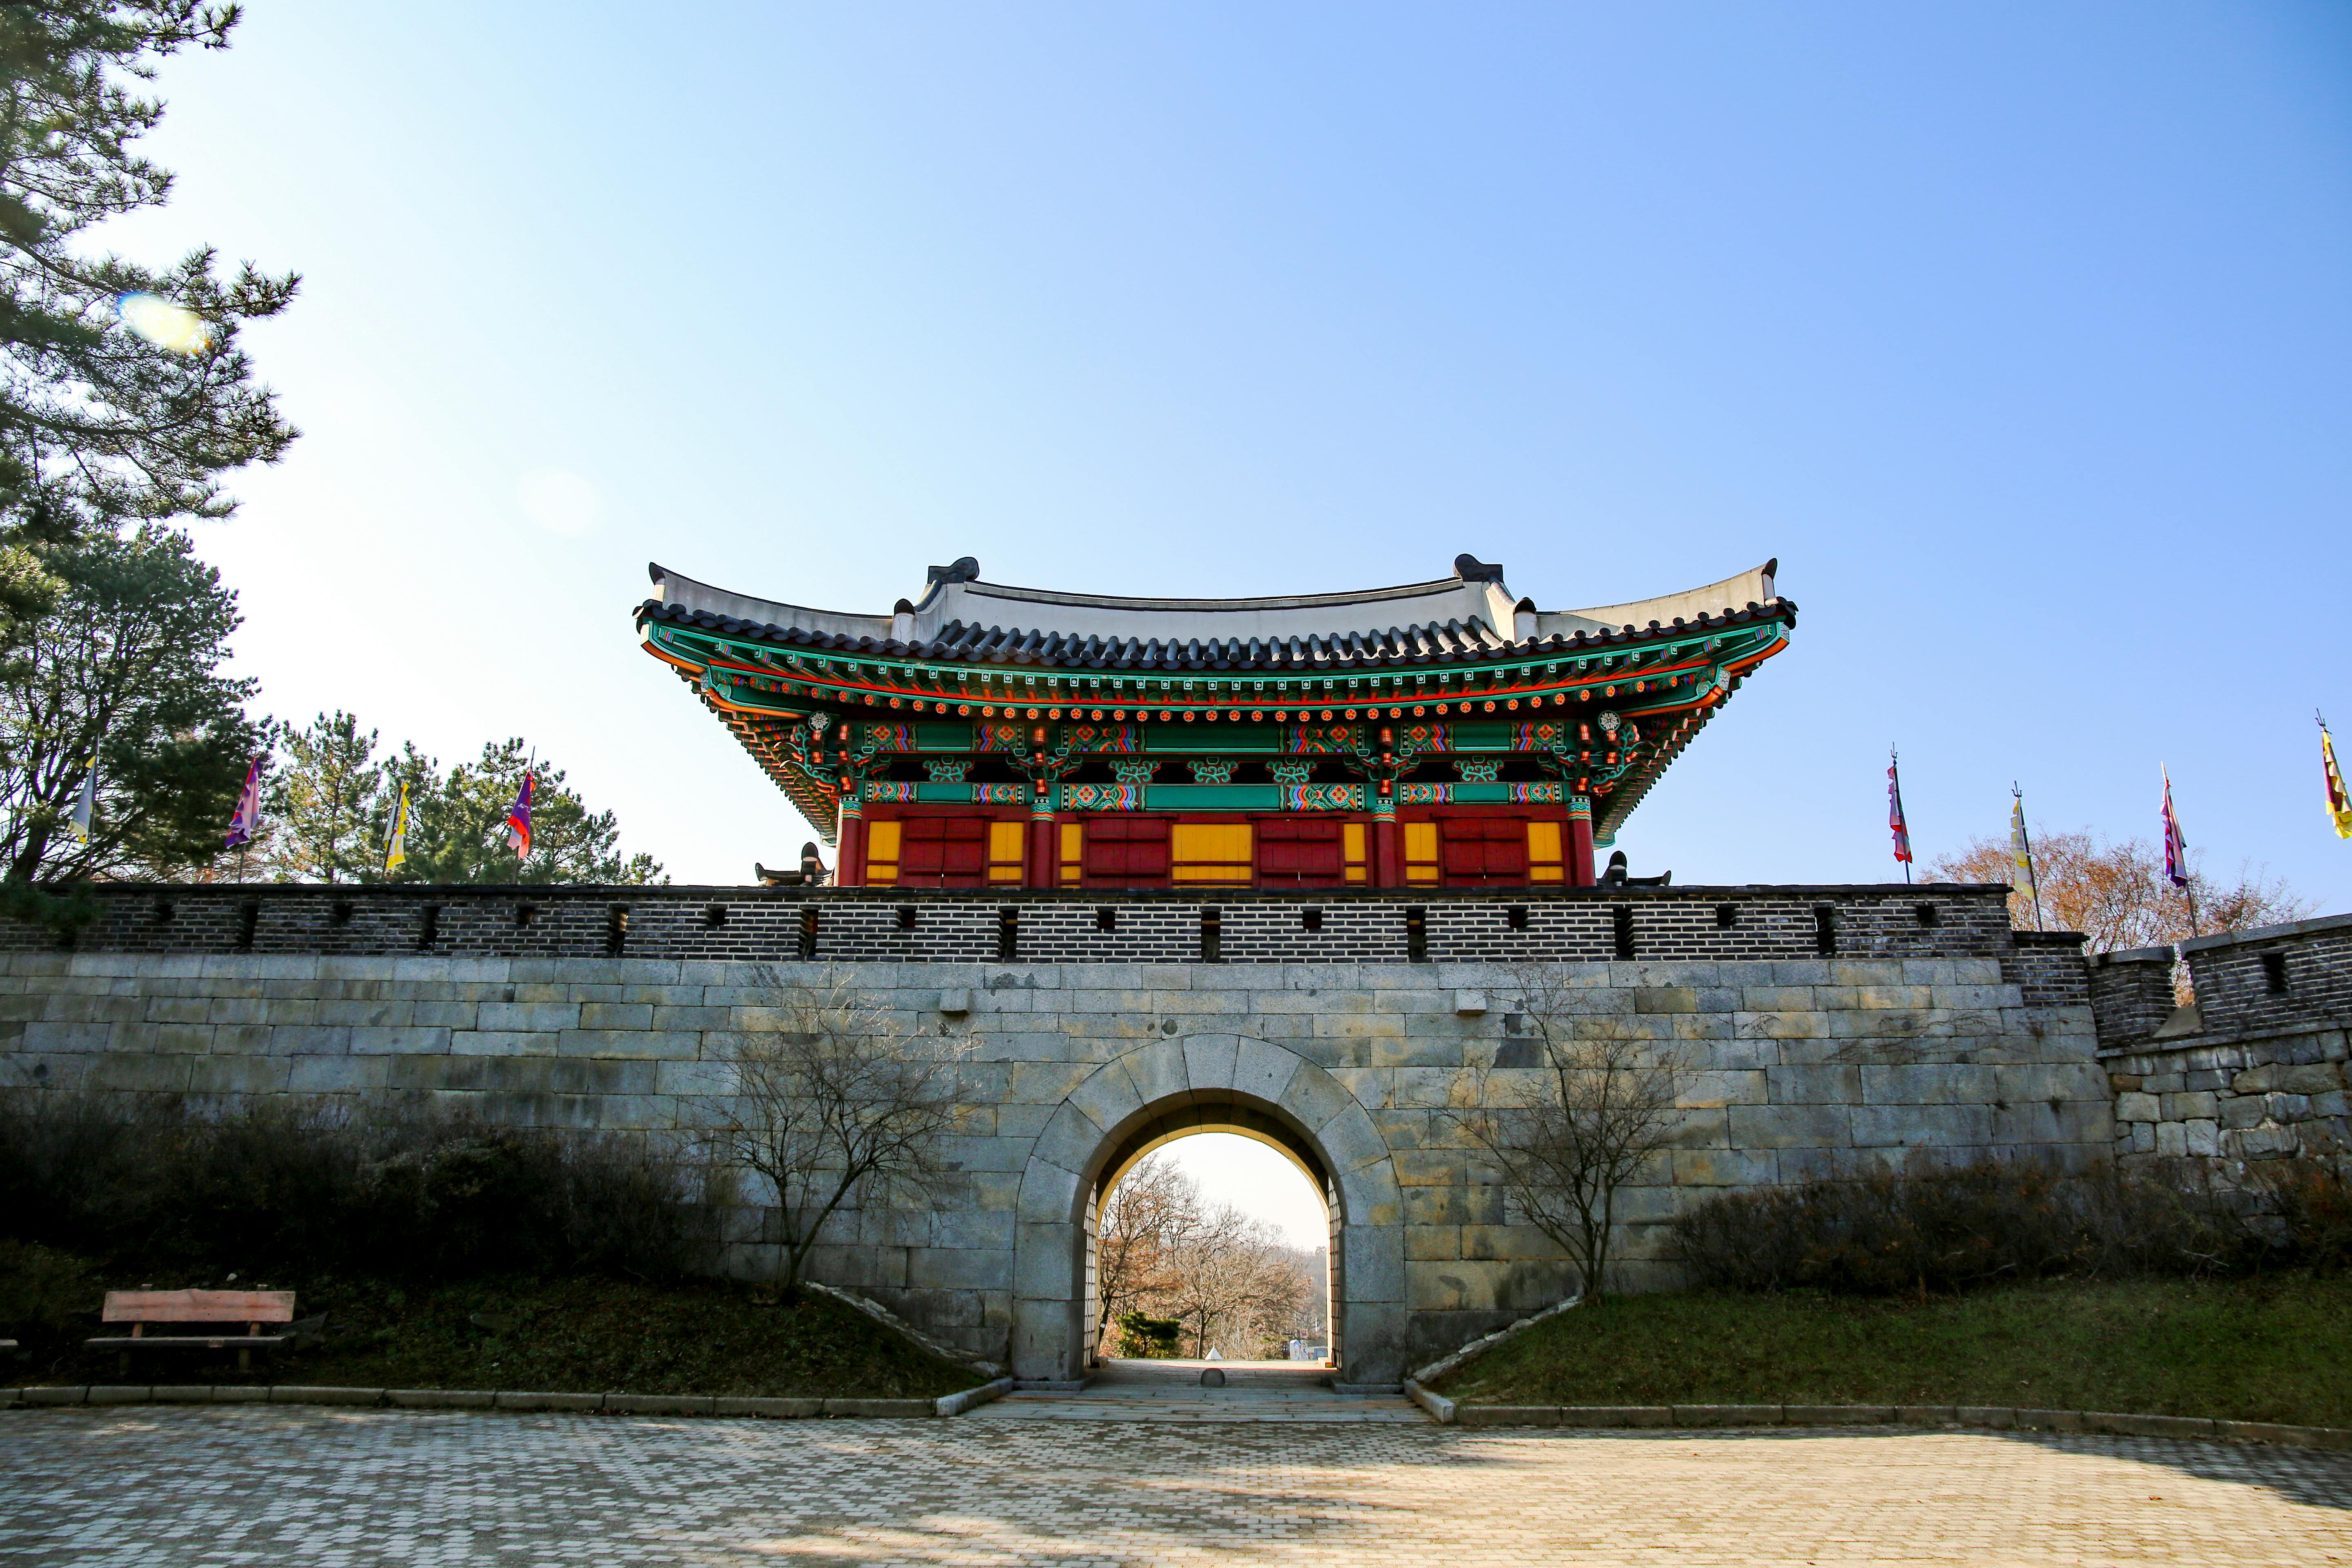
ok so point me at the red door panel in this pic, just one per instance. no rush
(1127, 852)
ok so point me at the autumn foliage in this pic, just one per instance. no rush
(2116, 894)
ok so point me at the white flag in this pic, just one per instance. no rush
(87, 807)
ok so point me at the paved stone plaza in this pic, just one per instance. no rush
(257, 1485)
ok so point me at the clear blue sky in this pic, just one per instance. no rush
(2020, 334)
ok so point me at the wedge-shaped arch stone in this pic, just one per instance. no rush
(1161, 1089)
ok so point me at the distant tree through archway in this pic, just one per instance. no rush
(1198, 1250)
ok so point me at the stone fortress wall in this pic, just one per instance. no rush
(1828, 1028)
(2256, 1068)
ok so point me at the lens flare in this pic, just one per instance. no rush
(164, 324)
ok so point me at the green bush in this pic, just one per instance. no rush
(384, 1191)
(1152, 1338)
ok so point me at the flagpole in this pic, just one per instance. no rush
(2026, 838)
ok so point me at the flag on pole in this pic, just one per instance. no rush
(395, 853)
(247, 822)
(2340, 805)
(2020, 854)
(1894, 822)
(2176, 849)
(519, 820)
(86, 807)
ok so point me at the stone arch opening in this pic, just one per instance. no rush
(1118, 1110)
(1203, 1112)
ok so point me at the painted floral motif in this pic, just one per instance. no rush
(1102, 797)
(947, 771)
(1424, 793)
(1133, 773)
(890, 738)
(987, 737)
(1096, 739)
(1310, 739)
(1323, 797)
(888, 789)
(1474, 771)
(1291, 772)
(1212, 770)
(1001, 794)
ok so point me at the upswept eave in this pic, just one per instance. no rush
(1458, 638)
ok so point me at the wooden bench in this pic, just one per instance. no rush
(250, 1308)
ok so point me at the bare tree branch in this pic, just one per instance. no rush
(1597, 1104)
(836, 1100)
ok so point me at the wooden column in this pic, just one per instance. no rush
(1580, 841)
(849, 862)
(1385, 871)
(1043, 867)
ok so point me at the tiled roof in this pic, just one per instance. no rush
(1433, 643)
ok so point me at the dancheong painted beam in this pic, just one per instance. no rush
(1438, 735)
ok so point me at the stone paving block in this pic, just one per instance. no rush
(441, 1398)
(1604, 1416)
(660, 1404)
(117, 1394)
(1726, 1415)
(774, 1409)
(2051, 1420)
(1507, 1415)
(300, 1394)
(1836, 1414)
(884, 1408)
(73, 1394)
(181, 1394)
(240, 1393)
(508, 1399)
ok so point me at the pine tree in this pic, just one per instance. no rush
(129, 669)
(100, 426)
(457, 823)
(327, 803)
(124, 398)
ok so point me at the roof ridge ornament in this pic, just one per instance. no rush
(962, 569)
(1470, 569)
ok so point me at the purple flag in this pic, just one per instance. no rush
(247, 822)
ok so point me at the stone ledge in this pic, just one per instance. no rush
(1988, 1417)
(505, 1400)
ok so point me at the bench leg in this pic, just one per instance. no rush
(122, 1365)
(244, 1361)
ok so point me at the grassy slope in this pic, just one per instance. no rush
(561, 1335)
(2277, 1349)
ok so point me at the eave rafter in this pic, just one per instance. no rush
(766, 683)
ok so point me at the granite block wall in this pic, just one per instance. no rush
(1801, 1063)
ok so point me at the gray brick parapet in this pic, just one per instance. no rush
(871, 924)
(2255, 1068)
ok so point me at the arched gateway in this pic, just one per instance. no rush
(1207, 1083)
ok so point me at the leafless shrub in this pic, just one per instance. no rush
(836, 1100)
(2309, 1199)
(1945, 1229)
(1595, 1106)
(372, 1190)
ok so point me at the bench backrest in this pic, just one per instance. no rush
(198, 1307)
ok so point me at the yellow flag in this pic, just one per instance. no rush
(2020, 851)
(2339, 805)
(396, 851)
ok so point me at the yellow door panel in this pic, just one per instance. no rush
(1005, 842)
